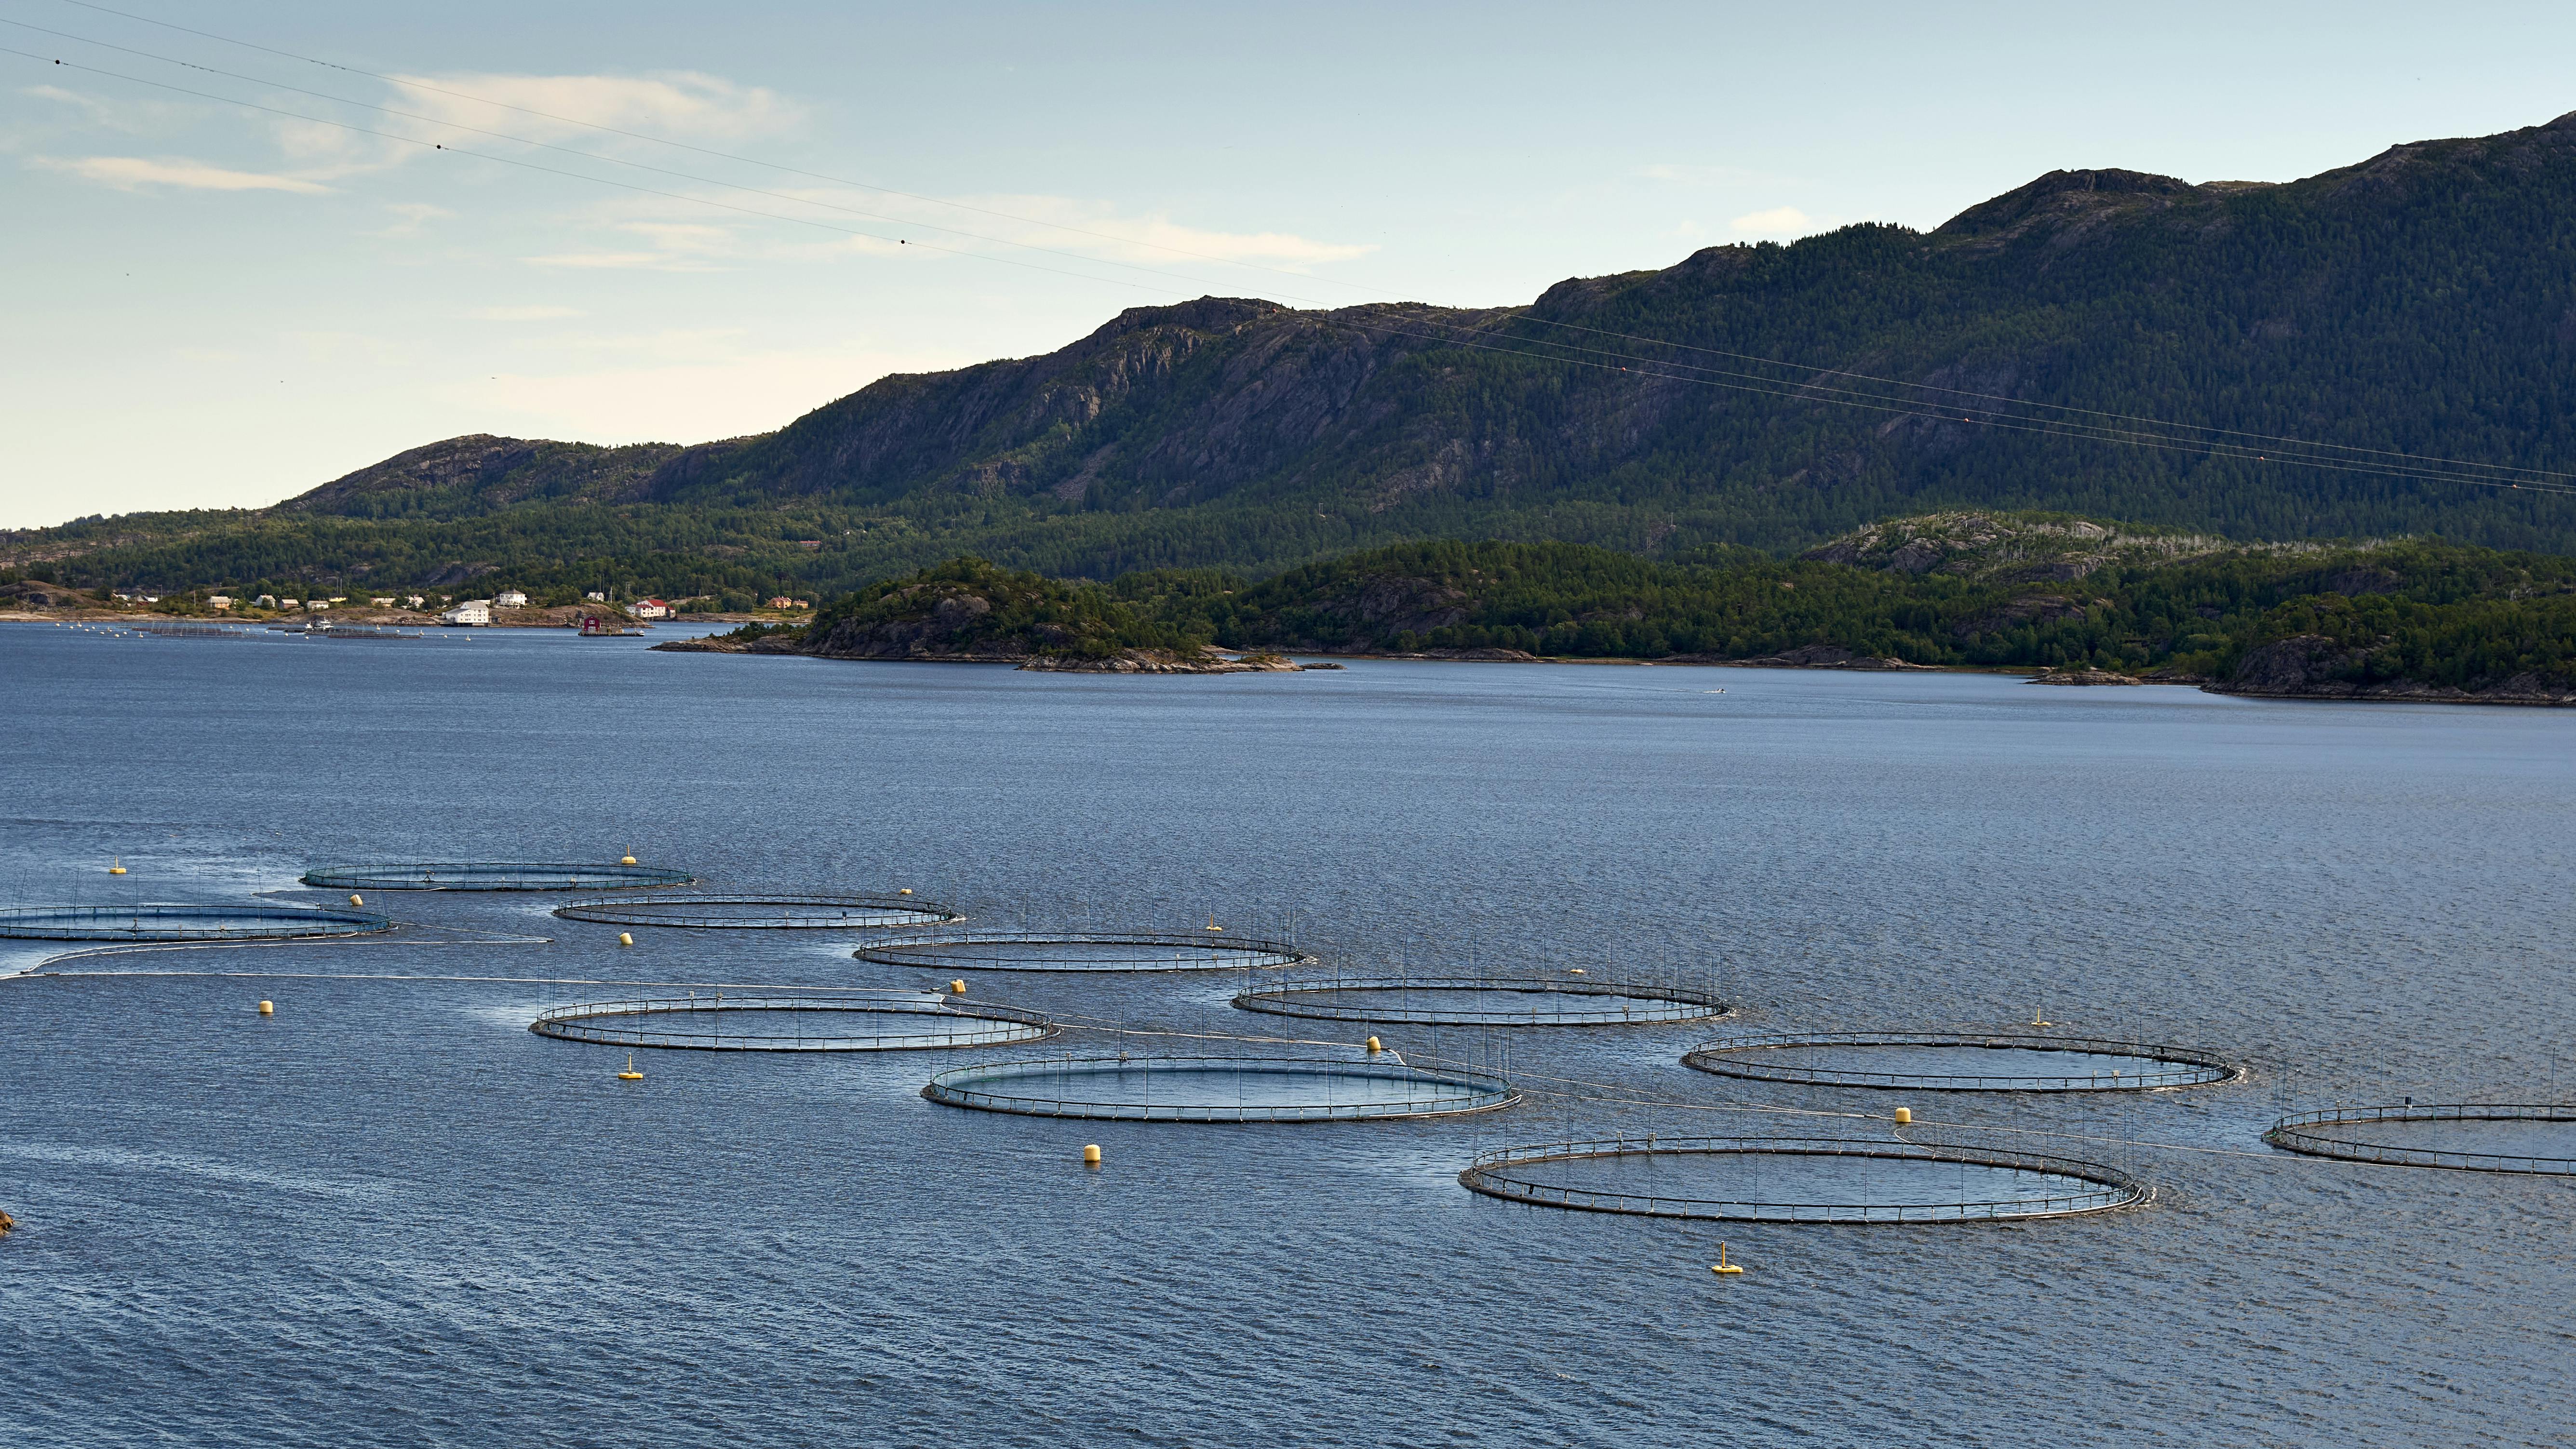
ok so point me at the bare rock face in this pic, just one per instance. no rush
(39, 596)
(1483, 656)
(1164, 661)
(721, 644)
(2079, 676)
(2012, 548)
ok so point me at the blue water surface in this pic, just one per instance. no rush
(391, 1215)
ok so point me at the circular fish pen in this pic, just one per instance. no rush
(1485, 1001)
(492, 876)
(1799, 1180)
(761, 912)
(839, 1021)
(1938, 1061)
(1218, 1089)
(1083, 951)
(184, 923)
(2411, 1135)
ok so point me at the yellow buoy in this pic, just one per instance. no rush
(625, 938)
(268, 1008)
(630, 1074)
(2035, 1021)
(1721, 1266)
(1573, 970)
(1373, 1046)
(1904, 1116)
(907, 890)
(116, 865)
(357, 900)
(1091, 1155)
(628, 860)
(957, 987)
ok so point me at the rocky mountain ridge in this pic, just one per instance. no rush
(2412, 307)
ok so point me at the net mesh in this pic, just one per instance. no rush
(845, 1021)
(762, 912)
(1218, 1089)
(491, 876)
(182, 923)
(1485, 1001)
(1078, 951)
(1959, 1061)
(1799, 1180)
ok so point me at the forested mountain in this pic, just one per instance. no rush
(2102, 342)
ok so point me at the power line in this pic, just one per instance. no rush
(415, 83)
(2056, 407)
(2043, 426)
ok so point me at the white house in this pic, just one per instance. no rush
(287, 603)
(316, 605)
(472, 611)
(413, 601)
(382, 603)
(596, 597)
(510, 599)
(219, 601)
(650, 609)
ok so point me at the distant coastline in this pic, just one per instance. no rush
(2061, 601)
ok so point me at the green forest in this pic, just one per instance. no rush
(2439, 614)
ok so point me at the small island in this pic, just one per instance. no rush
(968, 611)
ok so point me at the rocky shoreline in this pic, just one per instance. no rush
(1209, 660)
(2307, 667)
(2081, 676)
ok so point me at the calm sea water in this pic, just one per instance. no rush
(391, 1215)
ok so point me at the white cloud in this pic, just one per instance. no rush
(694, 238)
(1687, 175)
(331, 151)
(1152, 238)
(679, 103)
(1778, 221)
(129, 172)
(622, 262)
(96, 110)
(410, 217)
(359, 349)
(682, 402)
(522, 314)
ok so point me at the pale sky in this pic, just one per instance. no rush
(209, 305)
